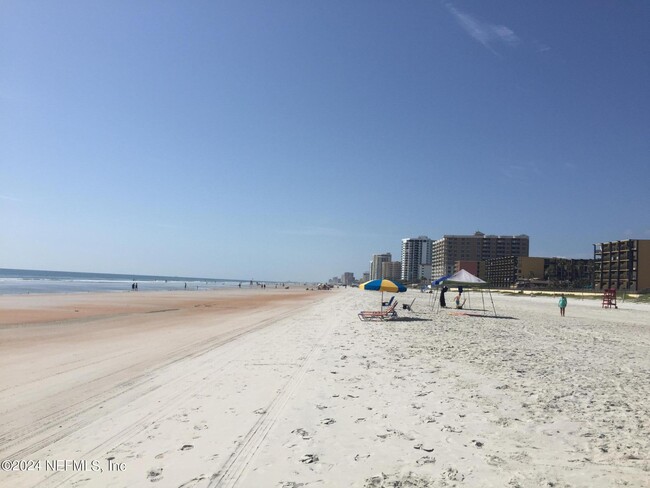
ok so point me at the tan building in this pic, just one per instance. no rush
(477, 247)
(507, 271)
(376, 271)
(391, 270)
(622, 265)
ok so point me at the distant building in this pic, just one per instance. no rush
(375, 265)
(335, 281)
(477, 247)
(474, 267)
(391, 270)
(416, 259)
(527, 271)
(505, 272)
(573, 273)
(622, 265)
(347, 278)
(365, 277)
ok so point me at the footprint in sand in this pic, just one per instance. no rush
(494, 460)
(309, 459)
(425, 460)
(302, 433)
(187, 447)
(452, 474)
(423, 447)
(327, 421)
(155, 474)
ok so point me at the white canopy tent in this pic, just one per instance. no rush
(464, 279)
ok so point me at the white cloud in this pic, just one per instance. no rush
(485, 33)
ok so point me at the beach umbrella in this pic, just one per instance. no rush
(382, 286)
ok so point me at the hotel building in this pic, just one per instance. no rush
(375, 265)
(391, 270)
(477, 247)
(622, 265)
(416, 259)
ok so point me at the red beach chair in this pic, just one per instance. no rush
(388, 314)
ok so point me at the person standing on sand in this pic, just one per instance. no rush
(562, 304)
(443, 302)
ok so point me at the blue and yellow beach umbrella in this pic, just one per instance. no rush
(383, 285)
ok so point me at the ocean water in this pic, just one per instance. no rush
(24, 281)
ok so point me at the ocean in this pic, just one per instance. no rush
(24, 281)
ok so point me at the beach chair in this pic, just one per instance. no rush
(389, 302)
(388, 314)
(407, 306)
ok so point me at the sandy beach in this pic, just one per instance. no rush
(288, 388)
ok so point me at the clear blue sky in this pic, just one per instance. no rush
(291, 140)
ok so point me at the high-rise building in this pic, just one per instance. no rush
(391, 270)
(622, 265)
(347, 278)
(375, 265)
(477, 247)
(416, 259)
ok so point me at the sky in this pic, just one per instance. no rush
(292, 140)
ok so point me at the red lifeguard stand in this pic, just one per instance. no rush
(609, 298)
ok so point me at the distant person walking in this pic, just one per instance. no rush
(562, 304)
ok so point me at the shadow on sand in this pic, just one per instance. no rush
(409, 319)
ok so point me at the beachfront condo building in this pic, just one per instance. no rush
(416, 259)
(375, 265)
(571, 273)
(622, 265)
(347, 278)
(478, 247)
(506, 272)
(391, 270)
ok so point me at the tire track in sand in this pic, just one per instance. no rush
(72, 417)
(239, 460)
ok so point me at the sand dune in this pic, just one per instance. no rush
(287, 388)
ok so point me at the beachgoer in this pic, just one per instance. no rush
(562, 305)
(443, 303)
(457, 300)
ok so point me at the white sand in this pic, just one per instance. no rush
(301, 393)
